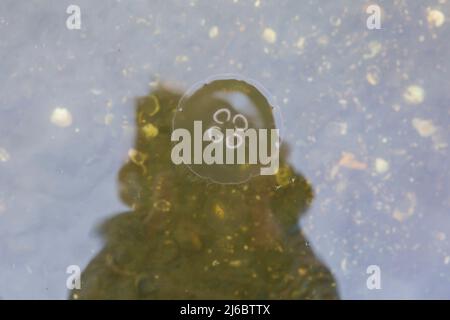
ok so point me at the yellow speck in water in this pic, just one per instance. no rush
(196, 242)
(235, 263)
(414, 94)
(109, 117)
(398, 215)
(283, 176)
(402, 214)
(323, 40)
(219, 211)
(435, 18)
(447, 260)
(150, 131)
(424, 127)
(149, 106)
(374, 48)
(243, 167)
(372, 79)
(162, 205)
(269, 35)
(300, 44)
(441, 236)
(348, 160)
(4, 155)
(213, 32)
(302, 272)
(335, 21)
(137, 157)
(215, 263)
(381, 165)
(373, 75)
(61, 117)
(181, 59)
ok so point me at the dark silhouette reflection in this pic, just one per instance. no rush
(188, 238)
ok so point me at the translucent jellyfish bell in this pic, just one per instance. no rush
(227, 111)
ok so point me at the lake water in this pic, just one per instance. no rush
(365, 125)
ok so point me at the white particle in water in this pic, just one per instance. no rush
(414, 94)
(424, 127)
(435, 18)
(4, 155)
(213, 32)
(381, 165)
(269, 35)
(61, 117)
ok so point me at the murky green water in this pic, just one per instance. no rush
(86, 177)
(188, 237)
